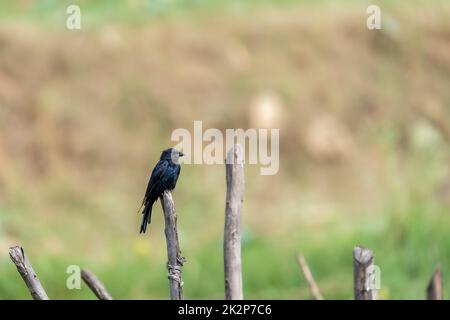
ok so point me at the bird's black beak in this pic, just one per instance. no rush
(181, 154)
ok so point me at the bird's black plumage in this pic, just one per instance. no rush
(164, 177)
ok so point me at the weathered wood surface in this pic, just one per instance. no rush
(175, 260)
(363, 261)
(232, 230)
(313, 288)
(95, 285)
(435, 290)
(27, 273)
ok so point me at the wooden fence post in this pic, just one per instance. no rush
(25, 269)
(435, 289)
(363, 262)
(95, 285)
(232, 231)
(175, 260)
(309, 278)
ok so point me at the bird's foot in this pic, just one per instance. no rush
(181, 260)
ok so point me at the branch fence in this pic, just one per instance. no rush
(365, 273)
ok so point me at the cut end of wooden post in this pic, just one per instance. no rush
(174, 257)
(232, 229)
(362, 255)
(17, 255)
(363, 274)
(27, 273)
(235, 155)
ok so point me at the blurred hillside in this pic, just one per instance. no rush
(364, 130)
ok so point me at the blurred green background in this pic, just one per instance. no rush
(364, 120)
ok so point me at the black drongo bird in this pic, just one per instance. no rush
(164, 177)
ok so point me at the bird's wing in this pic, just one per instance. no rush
(179, 170)
(178, 173)
(157, 173)
(169, 180)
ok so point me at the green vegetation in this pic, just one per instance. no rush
(364, 142)
(143, 11)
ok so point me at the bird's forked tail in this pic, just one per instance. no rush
(147, 212)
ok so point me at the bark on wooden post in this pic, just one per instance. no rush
(232, 230)
(175, 260)
(363, 262)
(435, 289)
(95, 285)
(25, 269)
(309, 278)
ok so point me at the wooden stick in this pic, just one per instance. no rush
(362, 263)
(25, 269)
(435, 289)
(95, 285)
(232, 230)
(309, 278)
(175, 260)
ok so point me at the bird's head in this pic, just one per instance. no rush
(171, 154)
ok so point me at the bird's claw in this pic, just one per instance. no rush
(181, 260)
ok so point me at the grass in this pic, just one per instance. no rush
(99, 12)
(407, 248)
